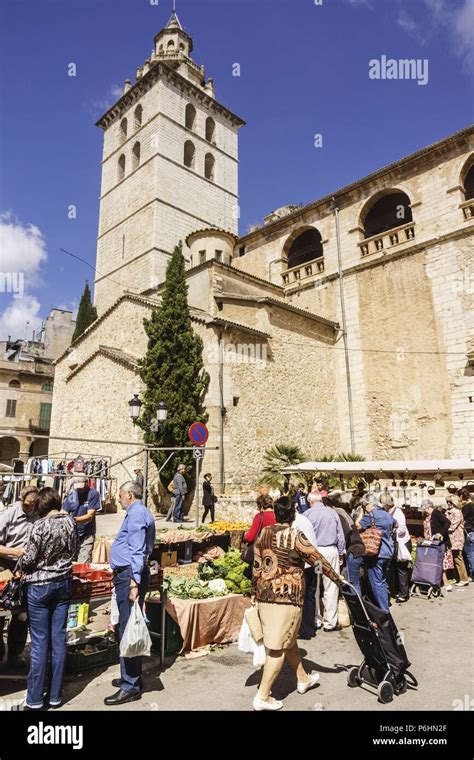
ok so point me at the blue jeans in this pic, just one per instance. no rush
(130, 667)
(353, 569)
(47, 613)
(378, 569)
(178, 507)
(469, 551)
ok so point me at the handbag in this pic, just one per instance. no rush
(249, 551)
(372, 539)
(13, 596)
(253, 622)
(171, 486)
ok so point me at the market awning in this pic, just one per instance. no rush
(389, 467)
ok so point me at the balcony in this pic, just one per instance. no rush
(468, 208)
(303, 271)
(388, 240)
(40, 428)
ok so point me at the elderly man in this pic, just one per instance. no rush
(15, 527)
(331, 544)
(128, 560)
(83, 503)
(180, 489)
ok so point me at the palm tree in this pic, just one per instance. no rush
(276, 459)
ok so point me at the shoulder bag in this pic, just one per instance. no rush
(372, 539)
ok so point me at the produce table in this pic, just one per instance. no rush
(208, 621)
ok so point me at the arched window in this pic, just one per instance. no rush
(190, 116)
(121, 168)
(138, 116)
(307, 246)
(170, 45)
(14, 384)
(209, 165)
(47, 387)
(189, 154)
(136, 155)
(389, 211)
(123, 130)
(210, 129)
(469, 184)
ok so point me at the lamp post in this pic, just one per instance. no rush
(135, 405)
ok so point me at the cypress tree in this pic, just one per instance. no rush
(86, 315)
(173, 371)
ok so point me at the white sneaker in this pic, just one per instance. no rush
(307, 685)
(462, 583)
(448, 588)
(273, 704)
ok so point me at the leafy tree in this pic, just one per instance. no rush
(173, 371)
(86, 315)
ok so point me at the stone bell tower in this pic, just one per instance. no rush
(169, 167)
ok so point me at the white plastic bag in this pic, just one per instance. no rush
(136, 641)
(249, 646)
(259, 654)
(246, 642)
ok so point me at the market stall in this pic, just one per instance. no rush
(406, 481)
(206, 599)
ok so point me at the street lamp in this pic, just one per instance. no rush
(135, 405)
(161, 412)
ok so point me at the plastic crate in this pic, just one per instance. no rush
(84, 589)
(77, 662)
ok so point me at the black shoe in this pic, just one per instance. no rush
(121, 697)
(55, 707)
(32, 709)
(117, 684)
(401, 599)
(330, 630)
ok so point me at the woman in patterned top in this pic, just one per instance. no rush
(47, 565)
(278, 587)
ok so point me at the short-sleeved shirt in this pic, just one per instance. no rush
(16, 525)
(87, 500)
(384, 522)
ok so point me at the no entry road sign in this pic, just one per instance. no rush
(198, 433)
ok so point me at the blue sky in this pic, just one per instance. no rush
(304, 71)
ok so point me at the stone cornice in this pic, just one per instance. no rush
(439, 148)
(222, 322)
(142, 85)
(125, 297)
(114, 354)
(226, 297)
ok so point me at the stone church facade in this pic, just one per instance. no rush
(268, 305)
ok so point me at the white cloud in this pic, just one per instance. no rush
(103, 103)
(22, 253)
(13, 320)
(407, 23)
(463, 27)
(22, 248)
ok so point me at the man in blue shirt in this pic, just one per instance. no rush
(128, 559)
(377, 567)
(83, 503)
(301, 499)
(331, 544)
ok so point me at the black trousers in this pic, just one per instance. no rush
(17, 635)
(308, 625)
(404, 576)
(208, 509)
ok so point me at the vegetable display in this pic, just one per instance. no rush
(230, 568)
(190, 588)
(224, 526)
